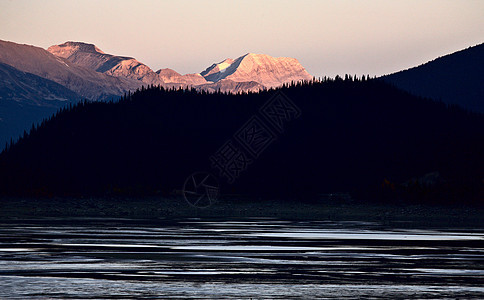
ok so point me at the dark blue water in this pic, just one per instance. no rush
(251, 258)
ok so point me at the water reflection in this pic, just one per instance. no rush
(261, 258)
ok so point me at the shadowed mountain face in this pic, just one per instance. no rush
(26, 99)
(25, 88)
(216, 68)
(457, 78)
(85, 82)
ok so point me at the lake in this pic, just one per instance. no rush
(237, 258)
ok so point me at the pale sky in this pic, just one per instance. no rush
(327, 37)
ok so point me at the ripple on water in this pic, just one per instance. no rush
(228, 259)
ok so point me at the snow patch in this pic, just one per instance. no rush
(223, 65)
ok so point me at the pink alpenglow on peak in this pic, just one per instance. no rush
(69, 48)
(267, 70)
(250, 72)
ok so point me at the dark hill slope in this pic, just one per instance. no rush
(457, 78)
(351, 136)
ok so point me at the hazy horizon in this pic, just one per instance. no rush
(328, 38)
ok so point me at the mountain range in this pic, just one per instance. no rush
(264, 70)
(85, 82)
(355, 132)
(35, 82)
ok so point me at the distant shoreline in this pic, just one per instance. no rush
(233, 208)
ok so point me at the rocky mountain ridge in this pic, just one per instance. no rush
(83, 81)
(232, 75)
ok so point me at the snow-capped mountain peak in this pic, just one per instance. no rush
(262, 68)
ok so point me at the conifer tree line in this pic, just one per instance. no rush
(355, 134)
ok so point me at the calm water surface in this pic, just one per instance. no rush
(250, 258)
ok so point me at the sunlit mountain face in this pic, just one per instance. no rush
(229, 75)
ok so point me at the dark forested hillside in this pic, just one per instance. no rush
(360, 136)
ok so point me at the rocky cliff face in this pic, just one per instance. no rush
(91, 57)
